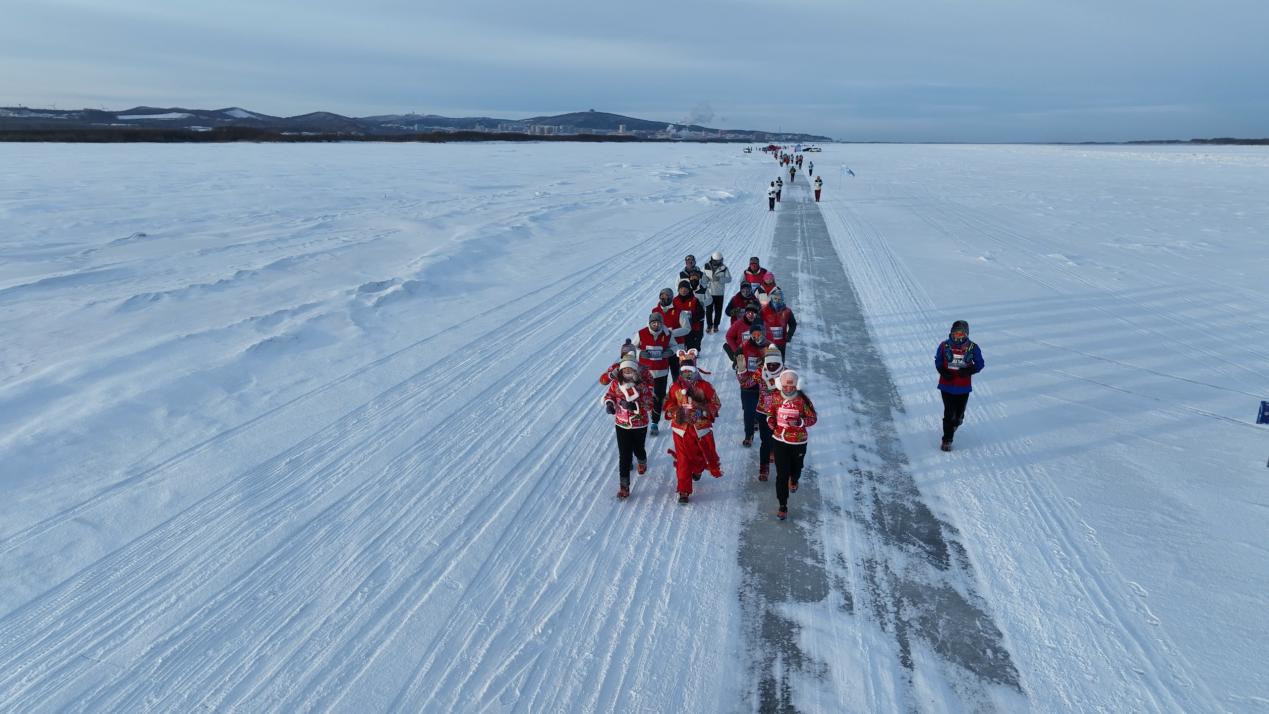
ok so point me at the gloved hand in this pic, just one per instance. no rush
(947, 373)
(966, 371)
(628, 405)
(610, 407)
(763, 299)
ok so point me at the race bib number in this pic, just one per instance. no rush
(777, 333)
(957, 361)
(752, 363)
(787, 415)
(655, 352)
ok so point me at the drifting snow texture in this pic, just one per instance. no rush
(290, 427)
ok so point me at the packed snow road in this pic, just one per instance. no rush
(316, 428)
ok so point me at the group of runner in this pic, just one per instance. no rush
(775, 190)
(658, 374)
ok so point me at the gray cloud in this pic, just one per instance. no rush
(989, 70)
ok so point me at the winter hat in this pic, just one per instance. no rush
(960, 325)
(754, 259)
(753, 307)
(656, 317)
(757, 326)
(797, 377)
(627, 347)
(687, 362)
(773, 355)
(666, 293)
(688, 257)
(628, 362)
(717, 257)
(685, 284)
(746, 285)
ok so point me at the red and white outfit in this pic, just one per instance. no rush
(639, 393)
(756, 279)
(777, 324)
(692, 406)
(654, 350)
(789, 417)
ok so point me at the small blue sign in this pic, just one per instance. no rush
(1264, 413)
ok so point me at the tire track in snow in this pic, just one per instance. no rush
(169, 658)
(324, 460)
(1151, 673)
(899, 569)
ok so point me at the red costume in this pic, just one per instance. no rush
(692, 406)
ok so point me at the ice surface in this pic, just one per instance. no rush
(315, 426)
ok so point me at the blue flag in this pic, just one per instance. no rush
(1264, 413)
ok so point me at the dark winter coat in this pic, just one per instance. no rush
(956, 365)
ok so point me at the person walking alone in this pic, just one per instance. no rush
(957, 361)
(819, 186)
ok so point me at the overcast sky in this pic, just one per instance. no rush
(918, 70)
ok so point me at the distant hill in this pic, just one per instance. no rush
(173, 121)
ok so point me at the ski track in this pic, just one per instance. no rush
(1117, 636)
(171, 620)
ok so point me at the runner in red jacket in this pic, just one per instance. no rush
(755, 273)
(629, 400)
(792, 415)
(653, 343)
(687, 304)
(692, 406)
(736, 306)
(779, 319)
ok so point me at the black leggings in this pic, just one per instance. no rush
(953, 412)
(714, 313)
(630, 447)
(658, 398)
(788, 461)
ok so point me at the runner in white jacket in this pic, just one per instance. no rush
(718, 275)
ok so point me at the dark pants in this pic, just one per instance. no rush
(778, 194)
(749, 402)
(771, 203)
(788, 461)
(781, 347)
(953, 412)
(765, 442)
(817, 195)
(714, 313)
(674, 367)
(629, 448)
(693, 341)
(658, 398)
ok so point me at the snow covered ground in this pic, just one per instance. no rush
(314, 427)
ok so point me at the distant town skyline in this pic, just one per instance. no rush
(909, 70)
